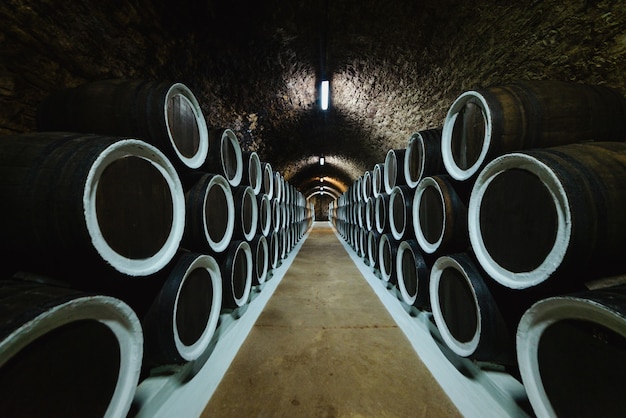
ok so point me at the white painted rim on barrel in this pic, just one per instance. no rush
(463, 349)
(218, 180)
(372, 250)
(262, 244)
(380, 214)
(520, 280)
(199, 158)
(255, 173)
(446, 135)
(414, 141)
(391, 166)
(268, 180)
(427, 246)
(249, 230)
(397, 193)
(245, 247)
(377, 179)
(111, 312)
(266, 221)
(385, 274)
(370, 213)
(533, 324)
(135, 148)
(406, 297)
(229, 135)
(193, 351)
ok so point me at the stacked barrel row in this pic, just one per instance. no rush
(128, 227)
(509, 227)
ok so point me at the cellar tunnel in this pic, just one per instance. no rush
(394, 67)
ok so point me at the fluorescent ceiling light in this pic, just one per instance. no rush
(325, 95)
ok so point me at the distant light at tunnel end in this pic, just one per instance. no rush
(324, 95)
(322, 160)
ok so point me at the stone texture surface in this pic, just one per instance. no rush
(395, 66)
(324, 346)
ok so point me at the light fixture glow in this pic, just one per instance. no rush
(322, 160)
(324, 95)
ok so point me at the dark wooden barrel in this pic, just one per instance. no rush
(373, 242)
(260, 259)
(224, 156)
(393, 174)
(181, 321)
(423, 156)
(265, 214)
(387, 254)
(466, 312)
(440, 215)
(62, 350)
(166, 115)
(485, 123)
(571, 351)
(236, 268)
(84, 202)
(267, 183)
(252, 172)
(274, 249)
(543, 214)
(401, 212)
(210, 220)
(378, 185)
(381, 212)
(246, 212)
(413, 275)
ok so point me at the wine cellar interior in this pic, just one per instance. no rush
(441, 182)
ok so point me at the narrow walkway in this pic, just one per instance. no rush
(325, 346)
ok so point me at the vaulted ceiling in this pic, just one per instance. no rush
(394, 66)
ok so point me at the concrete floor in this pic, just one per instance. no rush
(325, 346)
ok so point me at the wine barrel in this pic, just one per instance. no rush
(236, 269)
(381, 212)
(265, 214)
(387, 254)
(246, 213)
(267, 183)
(377, 179)
(392, 174)
(466, 312)
(373, 241)
(84, 202)
(440, 216)
(571, 356)
(210, 222)
(413, 275)
(423, 156)
(401, 212)
(224, 156)
(182, 319)
(252, 175)
(260, 259)
(541, 214)
(370, 213)
(163, 114)
(66, 352)
(274, 249)
(485, 123)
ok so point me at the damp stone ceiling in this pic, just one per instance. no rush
(255, 66)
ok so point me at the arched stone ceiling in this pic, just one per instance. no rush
(255, 66)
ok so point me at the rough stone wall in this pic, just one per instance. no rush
(395, 66)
